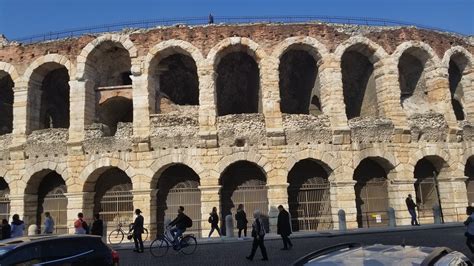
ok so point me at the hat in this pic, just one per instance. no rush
(138, 211)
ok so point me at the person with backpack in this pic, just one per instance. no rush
(469, 223)
(241, 218)
(180, 223)
(214, 221)
(17, 226)
(138, 231)
(80, 226)
(258, 234)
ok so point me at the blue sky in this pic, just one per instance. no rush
(19, 18)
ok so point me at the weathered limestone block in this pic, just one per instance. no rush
(307, 129)
(371, 129)
(428, 127)
(50, 141)
(241, 129)
(174, 129)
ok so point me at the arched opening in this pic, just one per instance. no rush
(48, 189)
(358, 80)
(237, 84)
(178, 185)
(457, 65)
(412, 67)
(115, 110)
(309, 196)
(6, 103)
(243, 182)
(469, 173)
(108, 68)
(371, 191)
(299, 83)
(426, 172)
(48, 97)
(113, 199)
(178, 81)
(4, 200)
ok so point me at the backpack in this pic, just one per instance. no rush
(210, 219)
(85, 226)
(187, 221)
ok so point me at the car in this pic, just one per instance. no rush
(357, 254)
(57, 250)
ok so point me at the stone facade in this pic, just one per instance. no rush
(152, 141)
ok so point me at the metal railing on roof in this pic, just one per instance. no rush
(146, 24)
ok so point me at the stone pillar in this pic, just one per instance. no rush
(30, 208)
(17, 205)
(143, 199)
(388, 92)
(398, 191)
(332, 96)
(468, 90)
(207, 105)
(210, 197)
(82, 108)
(270, 100)
(79, 202)
(343, 197)
(142, 105)
(453, 196)
(20, 116)
(277, 195)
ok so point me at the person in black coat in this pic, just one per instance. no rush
(284, 227)
(241, 218)
(6, 229)
(138, 231)
(214, 221)
(97, 226)
(258, 234)
(411, 206)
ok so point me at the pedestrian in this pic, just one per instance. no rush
(241, 218)
(258, 234)
(210, 19)
(469, 223)
(411, 206)
(97, 226)
(6, 229)
(284, 227)
(17, 226)
(48, 224)
(138, 231)
(214, 221)
(80, 225)
(180, 223)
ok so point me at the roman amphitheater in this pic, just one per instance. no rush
(316, 117)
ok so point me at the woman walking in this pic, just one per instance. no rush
(258, 234)
(214, 221)
(241, 218)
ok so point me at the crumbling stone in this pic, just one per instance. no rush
(300, 128)
(371, 129)
(241, 128)
(428, 127)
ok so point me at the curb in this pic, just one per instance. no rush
(324, 234)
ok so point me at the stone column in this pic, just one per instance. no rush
(142, 106)
(277, 195)
(30, 208)
(82, 108)
(143, 200)
(79, 202)
(207, 105)
(210, 197)
(343, 197)
(467, 82)
(20, 116)
(17, 205)
(398, 191)
(453, 197)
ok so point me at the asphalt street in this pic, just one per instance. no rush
(225, 253)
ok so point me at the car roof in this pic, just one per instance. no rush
(19, 241)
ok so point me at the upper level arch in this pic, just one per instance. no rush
(8, 76)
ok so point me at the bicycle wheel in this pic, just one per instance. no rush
(159, 247)
(188, 245)
(145, 234)
(116, 236)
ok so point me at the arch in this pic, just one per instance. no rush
(326, 158)
(430, 57)
(253, 157)
(10, 70)
(94, 169)
(362, 45)
(49, 58)
(430, 152)
(161, 164)
(386, 159)
(169, 47)
(457, 50)
(121, 39)
(310, 44)
(232, 44)
(4, 173)
(43, 166)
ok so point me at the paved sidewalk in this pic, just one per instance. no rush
(330, 233)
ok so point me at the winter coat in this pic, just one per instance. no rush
(97, 228)
(138, 225)
(410, 204)
(241, 219)
(6, 231)
(48, 225)
(283, 225)
(258, 228)
(17, 228)
(214, 219)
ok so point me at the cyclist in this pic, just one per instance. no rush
(180, 223)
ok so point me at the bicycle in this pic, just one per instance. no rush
(117, 235)
(187, 244)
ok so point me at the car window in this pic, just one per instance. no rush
(24, 255)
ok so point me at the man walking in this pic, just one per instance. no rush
(411, 209)
(138, 231)
(258, 234)
(48, 224)
(284, 227)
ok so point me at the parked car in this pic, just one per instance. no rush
(57, 250)
(357, 254)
